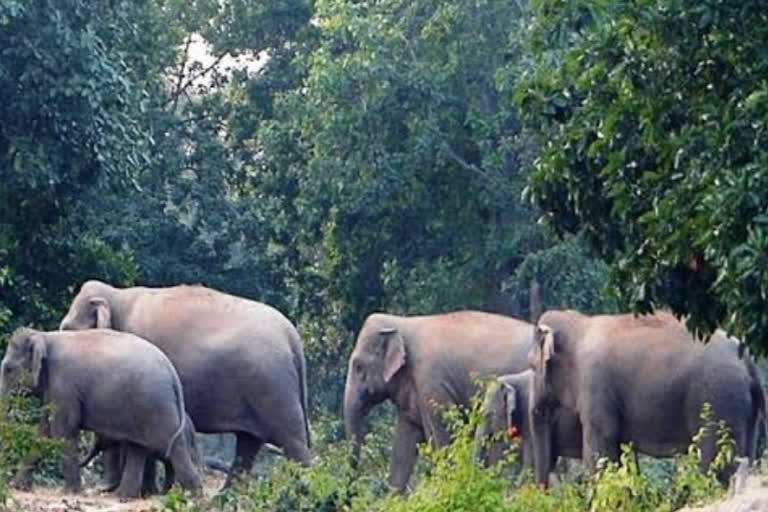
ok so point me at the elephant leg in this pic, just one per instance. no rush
(185, 469)
(113, 460)
(23, 478)
(170, 477)
(70, 465)
(149, 478)
(133, 472)
(404, 452)
(708, 451)
(600, 439)
(246, 448)
(65, 425)
(296, 449)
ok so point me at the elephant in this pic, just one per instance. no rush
(241, 362)
(640, 380)
(149, 485)
(422, 364)
(115, 384)
(506, 409)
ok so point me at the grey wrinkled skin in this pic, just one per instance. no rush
(507, 403)
(241, 362)
(114, 384)
(642, 380)
(423, 364)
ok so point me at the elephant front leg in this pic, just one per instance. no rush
(600, 439)
(404, 452)
(65, 426)
(23, 478)
(70, 465)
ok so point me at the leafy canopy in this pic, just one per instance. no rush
(654, 115)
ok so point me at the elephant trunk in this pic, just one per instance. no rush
(355, 412)
(542, 450)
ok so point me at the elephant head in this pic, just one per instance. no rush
(24, 361)
(550, 389)
(378, 357)
(92, 307)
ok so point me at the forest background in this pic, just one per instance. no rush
(337, 157)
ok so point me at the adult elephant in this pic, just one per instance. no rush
(506, 410)
(642, 380)
(422, 364)
(241, 362)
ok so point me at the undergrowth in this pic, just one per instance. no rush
(451, 480)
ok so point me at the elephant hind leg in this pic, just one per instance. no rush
(182, 467)
(112, 458)
(296, 449)
(149, 479)
(133, 472)
(170, 477)
(246, 448)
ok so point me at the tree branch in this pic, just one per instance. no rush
(180, 76)
(177, 94)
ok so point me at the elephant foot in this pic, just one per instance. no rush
(109, 486)
(150, 490)
(128, 492)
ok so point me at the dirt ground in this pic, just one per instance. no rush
(53, 499)
(753, 498)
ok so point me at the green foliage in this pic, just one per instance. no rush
(393, 176)
(20, 418)
(454, 481)
(69, 122)
(449, 478)
(176, 500)
(653, 117)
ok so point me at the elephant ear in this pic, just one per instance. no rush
(103, 314)
(394, 352)
(38, 349)
(547, 339)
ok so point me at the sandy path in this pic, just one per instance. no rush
(54, 499)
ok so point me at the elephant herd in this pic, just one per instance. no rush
(146, 368)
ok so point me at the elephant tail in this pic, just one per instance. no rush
(182, 410)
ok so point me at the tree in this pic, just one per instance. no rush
(399, 162)
(655, 115)
(68, 123)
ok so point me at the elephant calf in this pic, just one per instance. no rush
(506, 408)
(114, 384)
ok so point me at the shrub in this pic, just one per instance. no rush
(20, 418)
